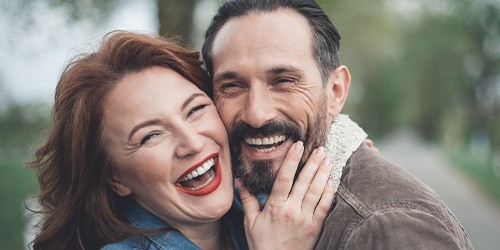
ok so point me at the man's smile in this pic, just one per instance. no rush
(265, 144)
(273, 147)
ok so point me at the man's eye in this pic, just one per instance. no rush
(149, 137)
(284, 80)
(231, 85)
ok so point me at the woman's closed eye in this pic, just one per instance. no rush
(149, 137)
(196, 109)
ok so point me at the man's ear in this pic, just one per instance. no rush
(120, 188)
(338, 89)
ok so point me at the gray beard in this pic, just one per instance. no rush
(260, 179)
(258, 175)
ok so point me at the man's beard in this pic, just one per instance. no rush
(258, 175)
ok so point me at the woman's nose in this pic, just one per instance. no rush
(189, 143)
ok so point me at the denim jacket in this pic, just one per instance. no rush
(173, 239)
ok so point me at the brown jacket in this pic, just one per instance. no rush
(382, 206)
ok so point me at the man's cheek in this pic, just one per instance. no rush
(227, 118)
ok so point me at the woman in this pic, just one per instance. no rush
(138, 158)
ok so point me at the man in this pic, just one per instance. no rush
(277, 79)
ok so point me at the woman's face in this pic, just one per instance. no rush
(169, 147)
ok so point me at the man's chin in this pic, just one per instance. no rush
(259, 177)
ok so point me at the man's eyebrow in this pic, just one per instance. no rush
(276, 70)
(225, 75)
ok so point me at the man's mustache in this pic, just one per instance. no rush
(243, 129)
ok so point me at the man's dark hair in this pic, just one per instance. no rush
(325, 37)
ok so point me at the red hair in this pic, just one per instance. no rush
(80, 207)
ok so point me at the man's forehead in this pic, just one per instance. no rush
(257, 26)
(252, 38)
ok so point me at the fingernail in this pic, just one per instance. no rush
(298, 146)
(330, 182)
(320, 151)
(238, 182)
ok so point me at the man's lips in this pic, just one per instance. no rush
(202, 178)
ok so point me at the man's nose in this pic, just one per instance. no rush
(189, 142)
(259, 107)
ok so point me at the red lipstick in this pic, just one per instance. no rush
(208, 188)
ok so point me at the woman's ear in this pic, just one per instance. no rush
(120, 188)
(338, 89)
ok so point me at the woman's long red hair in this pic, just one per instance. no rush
(79, 206)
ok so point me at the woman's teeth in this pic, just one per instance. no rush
(199, 171)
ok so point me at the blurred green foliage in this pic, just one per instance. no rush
(431, 66)
(434, 67)
(483, 171)
(20, 126)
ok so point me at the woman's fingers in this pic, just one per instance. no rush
(317, 186)
(284, 180)
(250, 203)
(325, 204)
(304, 183)
(294, 212)
(371, 145)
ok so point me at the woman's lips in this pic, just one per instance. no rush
(201, 179)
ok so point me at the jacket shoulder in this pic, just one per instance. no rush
(381, 204)
(376, 182)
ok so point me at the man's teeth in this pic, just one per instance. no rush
(200, 170)
(265, 140)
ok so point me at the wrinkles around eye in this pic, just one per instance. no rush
(148, 138)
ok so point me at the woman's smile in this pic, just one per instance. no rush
(202, 178)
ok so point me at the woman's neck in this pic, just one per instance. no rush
(206, 236)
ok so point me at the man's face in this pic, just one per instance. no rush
(269, 92)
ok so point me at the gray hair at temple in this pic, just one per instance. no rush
(326, 39)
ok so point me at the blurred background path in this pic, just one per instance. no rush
(478, 215)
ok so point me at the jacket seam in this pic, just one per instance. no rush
(352, 201)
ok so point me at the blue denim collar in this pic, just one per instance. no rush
(141, 218)
(173, 239)
(170, 239)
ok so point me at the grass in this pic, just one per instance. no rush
(17, 183)
(481, 171)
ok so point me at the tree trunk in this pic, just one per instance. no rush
(176, 19)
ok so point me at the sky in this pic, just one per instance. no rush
(31, 63)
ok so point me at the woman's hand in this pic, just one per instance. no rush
(294, 212)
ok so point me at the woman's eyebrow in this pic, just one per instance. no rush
(141, 125)
(190, 99)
